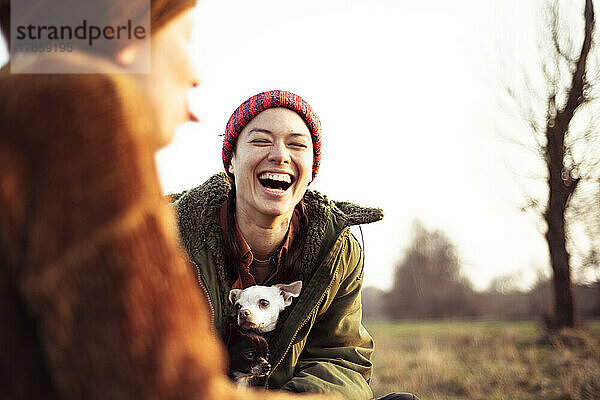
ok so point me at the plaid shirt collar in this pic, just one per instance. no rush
(245, 277)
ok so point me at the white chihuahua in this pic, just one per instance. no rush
(258, 307)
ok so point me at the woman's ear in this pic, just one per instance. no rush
(231, 167)
(135, 55)
(126, 56)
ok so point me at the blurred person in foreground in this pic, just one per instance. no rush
(258, 223)
(96, 300)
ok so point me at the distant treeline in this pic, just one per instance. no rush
(428, 284)
(512, 305)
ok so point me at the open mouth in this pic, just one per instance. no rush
(193, 117)
(276, 181)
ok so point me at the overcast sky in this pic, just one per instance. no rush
(409, 96)
(408, 93)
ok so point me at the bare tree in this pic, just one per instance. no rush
(428, 281)
(567, 97)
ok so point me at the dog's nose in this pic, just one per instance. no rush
(245, 313)
(265, 367)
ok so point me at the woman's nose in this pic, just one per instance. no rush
(279, 154)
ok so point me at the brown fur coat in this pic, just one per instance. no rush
(95, 300)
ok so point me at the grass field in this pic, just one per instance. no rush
(485, 360)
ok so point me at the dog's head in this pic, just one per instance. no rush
(248, 354)
(258, 307)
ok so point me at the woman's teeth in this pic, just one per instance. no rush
(274, 181)
(276, 177)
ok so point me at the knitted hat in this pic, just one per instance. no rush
(271, 99)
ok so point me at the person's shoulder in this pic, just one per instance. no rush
(320, 206)
(197, 213)
(196, 208)
(212, 192)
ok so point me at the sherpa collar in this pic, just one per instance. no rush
(197, 209)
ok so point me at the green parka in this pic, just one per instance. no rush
(319, 344)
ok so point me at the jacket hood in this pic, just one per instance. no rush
(212, 193)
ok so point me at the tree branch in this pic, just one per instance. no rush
(575, 96)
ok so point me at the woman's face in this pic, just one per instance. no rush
(272, 164)
(172, 75)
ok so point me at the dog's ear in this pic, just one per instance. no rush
(289, 291)
(234, 294)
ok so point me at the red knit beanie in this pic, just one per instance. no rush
(271, 99)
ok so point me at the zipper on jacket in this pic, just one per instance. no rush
(362, 238)
(210, 304)
(314, 309)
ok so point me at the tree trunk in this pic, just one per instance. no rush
(564, 300)
(561, 180)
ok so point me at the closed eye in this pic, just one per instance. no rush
(299, 145)
(260, 141)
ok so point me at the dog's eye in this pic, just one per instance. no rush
(263, 303)
(249, 355)
(238, 306)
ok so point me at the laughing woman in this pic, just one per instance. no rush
(259, 224)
